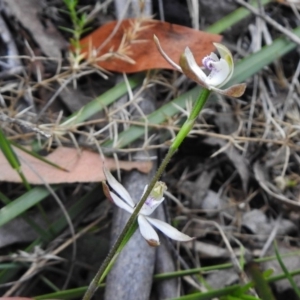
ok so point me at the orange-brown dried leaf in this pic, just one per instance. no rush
(128, 46)
(86, 167)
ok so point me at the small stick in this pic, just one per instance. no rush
(27, 126)
(269, 20)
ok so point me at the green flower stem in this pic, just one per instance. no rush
(183, 132)
(189, 123)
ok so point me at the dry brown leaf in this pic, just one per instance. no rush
(83, 167)
(128, 46)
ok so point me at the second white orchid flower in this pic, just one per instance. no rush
(220, 70)
(124, 201)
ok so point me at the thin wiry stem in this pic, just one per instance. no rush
(184, 131)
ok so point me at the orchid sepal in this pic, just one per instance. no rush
(120, 203)
(164, 55)
(147, 231)
(106, 191)
(115, 185)
(189, 69)
(234, 91)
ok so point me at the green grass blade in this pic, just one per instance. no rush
(21, 204)
(41, 158)
(260, 283)
(233, 18)
(286, 271)
(49, 283)
(27, 219)
(8, 152)
(4, 199)
(8, 266)
(210, 294)
(68, 294)
(204, 270)
(104, 100)
(12, 158)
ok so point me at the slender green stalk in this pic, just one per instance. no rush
(12, 158)
(182, 134)
(286, 271)
(261, 285)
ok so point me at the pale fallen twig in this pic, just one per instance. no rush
(23, 124)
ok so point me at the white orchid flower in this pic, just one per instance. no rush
(220, 70)
(145, 222)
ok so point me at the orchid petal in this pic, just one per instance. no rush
(150, 205)
(122, 204)
(148, 232)
(226, 55)
(118, 187)
(219, 74)
(235, 91)
(191, 69)
(165, 56)
(169, 230)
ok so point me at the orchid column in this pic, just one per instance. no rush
(219, 72)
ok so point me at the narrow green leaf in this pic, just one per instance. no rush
(210, 294)
(68, 294)
(27, 219)
(286, 271)
(260, 283)
(233, 18)
(9, 266)
(67, 29)
(217, 267)
(12, 158)
(268, 273)
(104, 100)
(21, 204)
(41, 158)
(9, 152)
